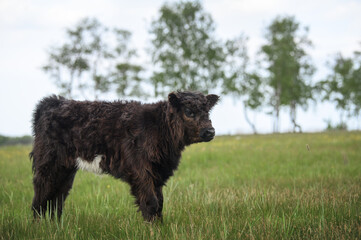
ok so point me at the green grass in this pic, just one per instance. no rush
(244, 187)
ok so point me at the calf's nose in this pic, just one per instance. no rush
(207, 133)
(210, 132)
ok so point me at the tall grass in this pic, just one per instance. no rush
(289, 186)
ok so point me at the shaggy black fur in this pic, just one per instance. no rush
(139, 143)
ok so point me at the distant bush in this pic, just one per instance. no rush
(338, 127)
(24, 140)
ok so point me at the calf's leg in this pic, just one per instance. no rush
(62, 191)
(146, 198)
(159, 194)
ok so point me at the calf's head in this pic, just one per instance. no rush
(192, 108)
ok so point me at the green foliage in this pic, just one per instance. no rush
(238, 80)
(88, 62)
(184, 50)
(288, 65)
(24, 140)
(343, 84)
(289, 186)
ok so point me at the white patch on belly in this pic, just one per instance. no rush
(93, 166)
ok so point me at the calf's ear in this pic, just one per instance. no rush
(212, 100)
(174, 100)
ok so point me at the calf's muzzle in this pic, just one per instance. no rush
(207, 134)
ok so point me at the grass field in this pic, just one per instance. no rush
(289, 186)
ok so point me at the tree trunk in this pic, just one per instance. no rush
(249, 121)
(70, 85)
(293, 118)
(276, 122)
(95, 72)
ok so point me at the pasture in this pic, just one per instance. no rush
(285, 186)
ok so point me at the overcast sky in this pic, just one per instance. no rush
(29, 28)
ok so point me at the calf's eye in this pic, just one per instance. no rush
(189, 113)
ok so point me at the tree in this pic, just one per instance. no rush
(343, 85)
(184, 50)
(289, 67)
(93, 60)
(356, 84)
(239, 81)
